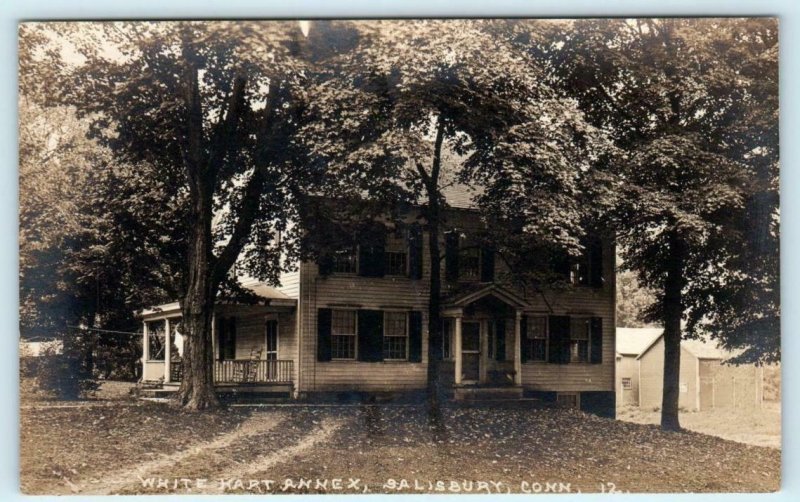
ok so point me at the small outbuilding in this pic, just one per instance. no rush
(706, 382)
(630, 343)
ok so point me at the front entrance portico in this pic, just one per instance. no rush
(486, 331)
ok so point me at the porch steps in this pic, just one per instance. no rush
(163, 392)
(486, 393)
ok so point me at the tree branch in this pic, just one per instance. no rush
(248, 210)
(225, 138)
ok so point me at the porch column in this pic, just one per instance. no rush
(458, 349)
(145, 346)
(214, 346)
(167, 352)
(518, 348)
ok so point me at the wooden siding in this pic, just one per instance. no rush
(354, 292)
(152, 371)
(651, 378)
(727, 386)
(290, 284)
(251, 334)
(350, 291)
(627, 367)
(578, 302)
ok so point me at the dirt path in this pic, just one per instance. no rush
(319, 434)
(114, 482)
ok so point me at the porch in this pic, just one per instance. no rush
(244, 371)
(483, 335)
(254, 345)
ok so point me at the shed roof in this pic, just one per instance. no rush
(703, 349)
(699, 348)
(634, 341)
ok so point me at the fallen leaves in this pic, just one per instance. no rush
(377, 442)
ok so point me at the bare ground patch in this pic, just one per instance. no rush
(753, 426)
(308, 447)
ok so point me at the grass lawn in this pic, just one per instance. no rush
(125, 447)
(755, 426)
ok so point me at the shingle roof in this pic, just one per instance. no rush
(265, 291)
(456, 193)
(703, 349)
(633, 341)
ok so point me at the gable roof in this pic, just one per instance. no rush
(634, 341)
(699, 348)
(463, 298)
(456, 193)
(703, 349)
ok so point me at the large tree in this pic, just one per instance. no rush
(215, 108)
(678, 98)
(417, 92)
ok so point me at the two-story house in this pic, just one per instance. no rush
(356, 320)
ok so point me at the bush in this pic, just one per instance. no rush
(59, 375)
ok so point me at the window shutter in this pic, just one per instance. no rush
(523, 333)
(415, 251)
(370, 335)
(500, 339)
(596, 349)
(487, 264)
(325, 263)
(559, 337)
(596, 264)
(415, 336)
(451, 256)
(230, 345)
(324, 335)
(222, 338)
(561, 264)
(372, 252)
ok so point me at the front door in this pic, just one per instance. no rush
(271, 345)
(470, 352)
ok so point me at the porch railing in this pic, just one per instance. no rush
(244, 371)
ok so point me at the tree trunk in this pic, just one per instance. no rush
(434, 304)
(197, 384)
(435, 287)
(673, 313)
(197, 306)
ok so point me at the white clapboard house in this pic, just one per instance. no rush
(357, 322)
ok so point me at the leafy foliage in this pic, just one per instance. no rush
(691, 106)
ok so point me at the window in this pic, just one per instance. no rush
(626, 383)
(396, 254)
(395, 263)
(344, 261)
(469, 263)
(447, 339)
(395, 336)
(343, 334)
(580, 331)
(579, 271)
(567, 400)
(156, 341)
(536, 338)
